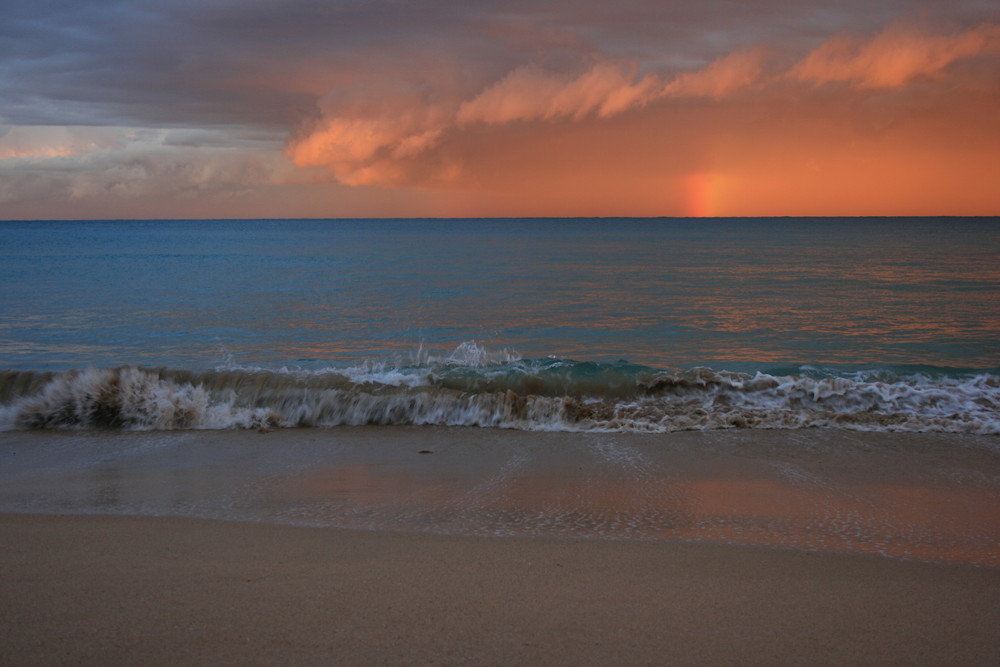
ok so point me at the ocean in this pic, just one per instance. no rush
(880, 324)
(818, 384)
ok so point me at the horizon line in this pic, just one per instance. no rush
(499, 218)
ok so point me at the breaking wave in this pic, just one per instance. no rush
(498, 391)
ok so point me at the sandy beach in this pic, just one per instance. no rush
(139, 590)
(483, 546)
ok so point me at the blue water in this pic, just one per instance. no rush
(790, 297)
(728, 294)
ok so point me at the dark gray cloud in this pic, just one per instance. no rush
(267, 62)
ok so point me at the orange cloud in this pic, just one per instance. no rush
(607, 141)
(529, 93)
(54, 142)
(605, 90)
(893, 58)
(726, 75)
(361, 150)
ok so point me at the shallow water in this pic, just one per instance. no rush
(916, 496)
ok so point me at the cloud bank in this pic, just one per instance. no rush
(497, 108)
(387, 149)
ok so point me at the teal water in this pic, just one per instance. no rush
(580, 308)
(727, 294)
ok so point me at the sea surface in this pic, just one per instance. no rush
(879, 324)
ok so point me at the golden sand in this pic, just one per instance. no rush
(161, 591)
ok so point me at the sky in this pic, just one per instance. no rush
(492, 108)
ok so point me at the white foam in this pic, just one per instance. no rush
(133, 398)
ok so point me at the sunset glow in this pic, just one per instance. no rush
(702, 195)
(549, 109)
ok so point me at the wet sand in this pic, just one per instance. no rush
(141, 590)
(416, 545)
(933, 497)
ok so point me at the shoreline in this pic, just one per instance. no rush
(929, 497)
(179, 547)
(124, 589)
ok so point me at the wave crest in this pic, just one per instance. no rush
(541, 394)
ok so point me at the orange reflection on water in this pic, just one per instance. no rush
(925, 522)
(907, 521)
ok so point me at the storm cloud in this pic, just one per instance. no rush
(494, 108)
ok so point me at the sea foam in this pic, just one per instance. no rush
(533, 394)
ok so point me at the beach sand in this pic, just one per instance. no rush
(483, 546)
(141, 590)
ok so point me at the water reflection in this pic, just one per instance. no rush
(922, 496)
(651, 494)
(892, 520)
